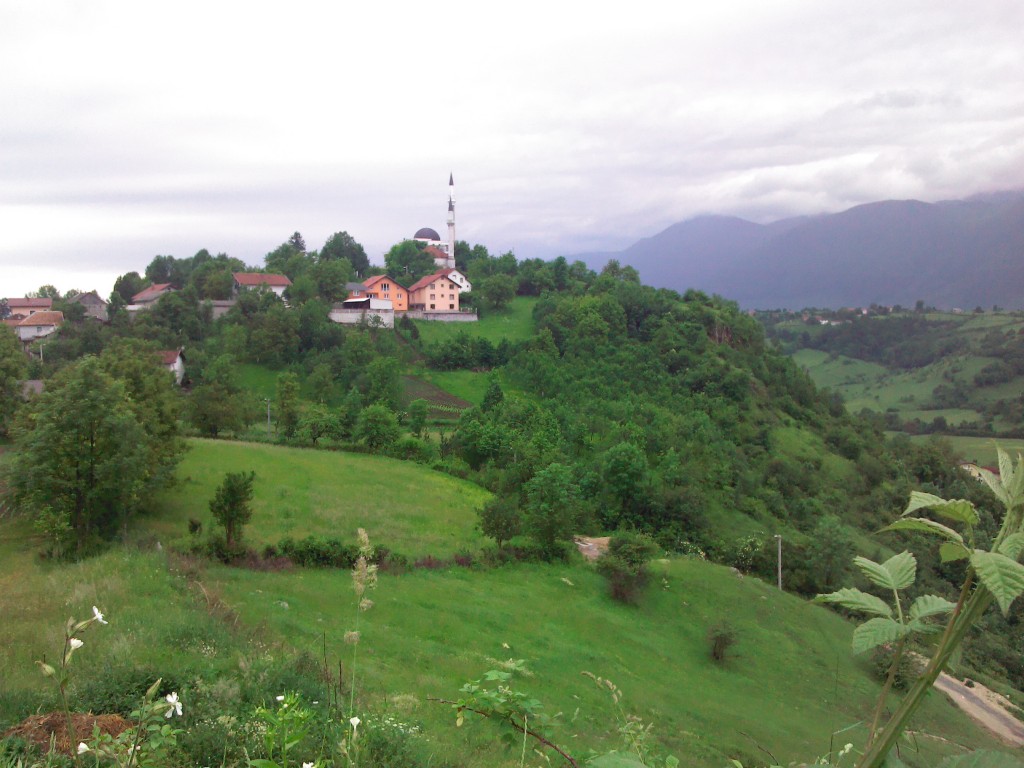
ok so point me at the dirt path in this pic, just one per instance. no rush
(985, 707)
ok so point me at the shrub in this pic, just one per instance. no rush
(625, 581)
(721, 637)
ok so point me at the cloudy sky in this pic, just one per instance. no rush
(130, 129)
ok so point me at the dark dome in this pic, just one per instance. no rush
(426, 234)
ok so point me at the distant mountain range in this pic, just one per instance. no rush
(958, 253)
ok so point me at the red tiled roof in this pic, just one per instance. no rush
(29, 303)
(43, 318)
(249, 279)
(423, 282)
(169, 356)
(152, 292)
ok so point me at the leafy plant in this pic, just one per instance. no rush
(993, 575)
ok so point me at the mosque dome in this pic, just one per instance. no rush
(426, 234)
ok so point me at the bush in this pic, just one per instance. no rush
(636, 549)
(721, 637)
(625, 582)
(320, 552)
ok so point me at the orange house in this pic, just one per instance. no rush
(383, 287)
(436, 292)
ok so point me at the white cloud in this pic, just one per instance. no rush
(131, 129)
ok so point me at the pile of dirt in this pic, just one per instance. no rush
(39, 729)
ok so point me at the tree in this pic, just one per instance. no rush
(77, 464)
(321, 382)
(550, 507)
(497, 290)
(407, 262)
(218, 402)
(12, 370)
(378, 427)
(418, 416)
(287, 404)
(296, 242)
(318, 421)
(493, 396)
(500, 520)
(341, 245)
(383, 382)
(231, 505)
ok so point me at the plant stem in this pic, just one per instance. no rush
(889, 678)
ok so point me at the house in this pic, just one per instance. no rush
(95, 307)
(385, 288)
(21, 308)
(459, 279)
(174, 361)
(147, 297)
(435, 293)
(246, 281)
(364, 309)
(39, 324)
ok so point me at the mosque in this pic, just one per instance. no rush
(443, 252)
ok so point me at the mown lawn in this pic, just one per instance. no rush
(514, 322)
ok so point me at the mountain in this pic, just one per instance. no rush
(959, 253)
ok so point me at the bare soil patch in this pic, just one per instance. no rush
(592, 547)
(39, 729)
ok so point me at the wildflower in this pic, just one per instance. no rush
(175, 708)
(82, 747)
(75, 643)
(355, 722)
(280, 698)
(351, 638)
(98, 615)
(365, 604)
(308, 765)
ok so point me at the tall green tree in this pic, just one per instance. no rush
(287, 404)
(378, 427)
(77, 462)
(341, 245)
(218, 403)
(12, 370)
(407, 262)
(231, 505)
(550, 507)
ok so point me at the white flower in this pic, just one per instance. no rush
(355, 722)
(280, 698)
(82, 747)
(172, 699)
(98, 615)
(75, 643)
(308, 765)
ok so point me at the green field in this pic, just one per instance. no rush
(299, 492)
(790, 683)
(514, 322)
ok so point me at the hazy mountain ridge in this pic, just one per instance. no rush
(956, 253)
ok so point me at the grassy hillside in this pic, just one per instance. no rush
(790, 683)
(514, 322)
(299, 492)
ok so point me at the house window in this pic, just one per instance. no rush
(431, 295)
(451, 306)
(451, 296)
(386, 287)
(432, 286)
(431, 306)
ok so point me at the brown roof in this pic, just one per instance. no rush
(372, 281)
(435, 253)
(43, 318)
(425, 281)
(169, 356)
(29, 303)
(260, 278)
(152, 292)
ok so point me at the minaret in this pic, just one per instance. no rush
(451, 221)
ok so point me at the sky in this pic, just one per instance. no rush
(130, 129)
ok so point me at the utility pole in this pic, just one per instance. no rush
(778, 538)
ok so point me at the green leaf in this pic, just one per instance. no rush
(926, 525)
(895, 573)
(1000, 575)
(959, 510)
(856, 600)
(995, 485)
(875, 632)
(1005, 469)
(930, 605)
(950, 552)
(1012, 545)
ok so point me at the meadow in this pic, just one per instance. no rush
(789, 684)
